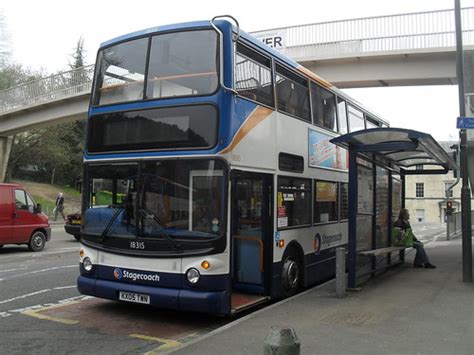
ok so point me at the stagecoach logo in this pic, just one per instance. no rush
(326, 241)
(120, 274)
(117, 274)
(317, 243)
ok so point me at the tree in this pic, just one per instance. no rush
(78, 55)
(54, 154)
(5, 44)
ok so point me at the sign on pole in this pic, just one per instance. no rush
(465, 123)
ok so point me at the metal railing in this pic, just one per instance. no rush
(53, 88)
(402, 32)
(334, 39)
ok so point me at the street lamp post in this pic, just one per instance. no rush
(465, 190)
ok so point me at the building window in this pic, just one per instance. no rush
(420, 189)
(419, 167)
(450, 192)
(420, 216)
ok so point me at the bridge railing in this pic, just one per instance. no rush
(53, 88)
(402, 32)
(334, 39)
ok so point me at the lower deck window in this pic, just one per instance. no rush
(325, 201)
(294, 202)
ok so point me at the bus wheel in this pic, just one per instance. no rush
(291, 274)
(37, 241)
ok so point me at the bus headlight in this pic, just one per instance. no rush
(87, 264)
(193, 276)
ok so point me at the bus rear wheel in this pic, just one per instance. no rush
(291, 273)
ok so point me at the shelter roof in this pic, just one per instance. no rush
(402, 147)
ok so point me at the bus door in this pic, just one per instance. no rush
(252, 236)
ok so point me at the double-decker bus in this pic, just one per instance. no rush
(210, 183)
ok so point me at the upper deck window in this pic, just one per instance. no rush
(253, 76)
(324, 107)
(356, 119)
(183, 64)
(292, 93)
(120, 72)
(180, 64)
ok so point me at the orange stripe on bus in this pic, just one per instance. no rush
(257, 116)
(315, 77)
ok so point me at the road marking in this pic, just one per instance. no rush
(25, 296)
(167, 343)
(9, 270)
(38, 271)
(64, 287)
(39, 307)
(36, 314)
(40, 254)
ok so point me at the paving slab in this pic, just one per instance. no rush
(403, 311)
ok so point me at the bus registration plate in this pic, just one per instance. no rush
(134, 297)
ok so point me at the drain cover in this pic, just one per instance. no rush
(349, 318)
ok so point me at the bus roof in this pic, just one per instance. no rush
(251, 39)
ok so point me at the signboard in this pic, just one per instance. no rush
(322, 153)
(273, 38)
(465, 123)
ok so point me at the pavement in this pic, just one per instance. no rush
(403, 311)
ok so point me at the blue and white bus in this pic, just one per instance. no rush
(210, 184)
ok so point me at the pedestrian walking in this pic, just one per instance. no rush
(59, 206)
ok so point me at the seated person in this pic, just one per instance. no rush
(421, 258)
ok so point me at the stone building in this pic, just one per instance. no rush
(425, 195)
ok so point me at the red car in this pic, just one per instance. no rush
(73, 225)
(21, 219)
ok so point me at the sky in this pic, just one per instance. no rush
(43, 34)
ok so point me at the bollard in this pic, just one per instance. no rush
(340, 272)
(281, 341)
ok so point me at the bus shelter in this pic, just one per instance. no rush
(379, 161)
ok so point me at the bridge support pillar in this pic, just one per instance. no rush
(5, 148)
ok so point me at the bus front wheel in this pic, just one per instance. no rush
(291, 273)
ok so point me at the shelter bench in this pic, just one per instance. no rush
(384, 251)
(381, 251)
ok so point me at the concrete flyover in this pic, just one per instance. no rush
(402, 49)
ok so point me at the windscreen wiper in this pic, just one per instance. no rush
(108, 227)
(146, 214)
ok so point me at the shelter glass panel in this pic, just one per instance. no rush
(396, 196)
(365, 190)
(364, 232)
(381, 208)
